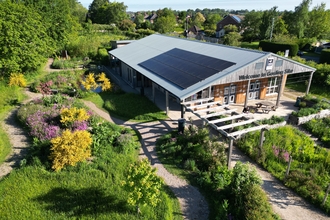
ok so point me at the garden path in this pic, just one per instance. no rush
(193, 204)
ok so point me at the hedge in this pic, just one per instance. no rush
(325, 56)
(275, 47)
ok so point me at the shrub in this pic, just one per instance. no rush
(142, 184)
(69, 116)
(70, 148)
(17, 79)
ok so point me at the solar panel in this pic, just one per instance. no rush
(184, 68)
(238, 19)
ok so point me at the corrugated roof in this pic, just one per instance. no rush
(149, 47)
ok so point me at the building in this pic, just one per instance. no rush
(227, 20)
(192, 70)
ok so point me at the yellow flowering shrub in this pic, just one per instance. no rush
(70, 148)
(106, 85)
(90, 82)
(70, 115)
(17, 79)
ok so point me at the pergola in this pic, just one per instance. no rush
(224, 120)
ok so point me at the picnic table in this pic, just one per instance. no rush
(266, 106)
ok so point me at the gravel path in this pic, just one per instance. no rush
(193, 204)
(287, 204)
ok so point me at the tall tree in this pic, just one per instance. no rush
(298, 20)
(57, 18)
(268, 19)
(319, 22)
(24, 42)
(111, 13)
(198, 19)
(251, 25)
(165, 21)
(94, 7)
(211, 21)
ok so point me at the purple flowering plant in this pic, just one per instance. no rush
(45, 124)
(281, 154)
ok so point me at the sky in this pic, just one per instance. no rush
(180, 5)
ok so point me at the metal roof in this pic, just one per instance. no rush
(154, 45)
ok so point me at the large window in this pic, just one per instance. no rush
(272, 85)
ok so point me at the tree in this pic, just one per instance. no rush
(142, 184)
(298, 20)
(139, 20)
(94, 9)
(268, 19)
(127, 25)
(24, 42)
(111, 13)
(280, 27)
(319, 22)
(165, 24)
(198, 19)
(211, 21)
(232, 39)
(251, 25)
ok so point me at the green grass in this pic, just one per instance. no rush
(317, 91)
(91, 190)
(252, 45)
(127, 106)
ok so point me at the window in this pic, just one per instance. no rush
(259, 66)
(272, 87)
(278, 63)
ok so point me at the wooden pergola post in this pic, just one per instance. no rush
(247, 94)
(230, 150)
(280, 90)
(309, 83)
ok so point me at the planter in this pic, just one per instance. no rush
(294, 120)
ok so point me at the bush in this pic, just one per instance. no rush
(70, 148)
(17, 79)
(275, 47)
(325, 56)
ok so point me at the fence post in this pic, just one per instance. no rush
(326, 195)
(288, 169)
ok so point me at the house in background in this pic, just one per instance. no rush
(151, 18)
(195, 31)
(228, 19)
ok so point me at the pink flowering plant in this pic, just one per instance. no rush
(43, 117)
(281, 154)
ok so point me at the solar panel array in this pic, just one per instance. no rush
(184, 68)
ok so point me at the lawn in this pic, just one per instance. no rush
(252, 45)
(127, 106)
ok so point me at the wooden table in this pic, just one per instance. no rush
(266, 106)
